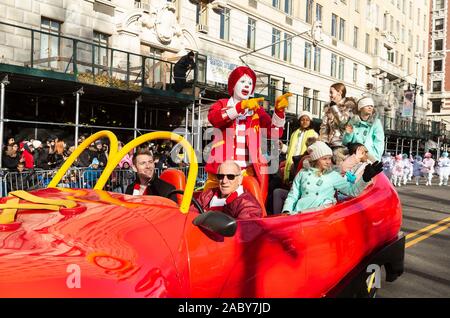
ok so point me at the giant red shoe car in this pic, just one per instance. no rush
(59, 242)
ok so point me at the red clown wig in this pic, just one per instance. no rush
(236, 74)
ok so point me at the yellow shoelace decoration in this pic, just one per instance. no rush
(37, 203)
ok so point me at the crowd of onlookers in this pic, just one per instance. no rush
(31, 163)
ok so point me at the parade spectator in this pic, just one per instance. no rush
(11, 157)
(100, 154)
(316, 184)
(297, 143)
(366, 128)
(337, 114)
(92, 174)
(428, 168)
(444, 168)
(147, 182)
(27, 155)
(41, 155)
(230, 197)
(417, 168)
(184, 64)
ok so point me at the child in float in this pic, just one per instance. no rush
(353, 166)
(337, 113)
(417, 168)
(315, 185)
(397, 171)
(444, 168)
(428, 168)
(366, 128)
(407, 169)
(297, 142)
(240, 120)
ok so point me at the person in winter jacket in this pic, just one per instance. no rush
(417, 168)
(230, 197)
(444, 168)
(297, 142)
(337, 114)
(366, 128)
(353, 166)
(388, 163)
(428, 168)
(315, 185)
(27, 155)
(11, 157)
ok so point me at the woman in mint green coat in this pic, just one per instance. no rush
(366, 129)
(315, 186)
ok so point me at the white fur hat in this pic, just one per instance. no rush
(36, 144)
(318, 150)
(305, 113)
(365, 101)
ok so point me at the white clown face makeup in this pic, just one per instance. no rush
(243, 88)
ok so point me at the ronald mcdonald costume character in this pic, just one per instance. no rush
(241, 122)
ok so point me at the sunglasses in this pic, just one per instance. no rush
(230, 177)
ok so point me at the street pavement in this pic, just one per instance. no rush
(427, 255)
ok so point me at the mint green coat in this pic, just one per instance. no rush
(311, 191)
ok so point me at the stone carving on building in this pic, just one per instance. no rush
(389, 39)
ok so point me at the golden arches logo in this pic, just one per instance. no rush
(115, 156)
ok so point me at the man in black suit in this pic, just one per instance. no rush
(180, 69)
(147, 183)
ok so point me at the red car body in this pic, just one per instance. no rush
(125, 246)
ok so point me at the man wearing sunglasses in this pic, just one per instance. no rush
(230, 197)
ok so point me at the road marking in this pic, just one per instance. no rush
(425, 236)
(429, 227)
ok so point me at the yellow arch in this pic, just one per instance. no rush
(115, 158)
(112, 151)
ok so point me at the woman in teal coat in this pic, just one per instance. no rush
(315, 186)
(366, 129)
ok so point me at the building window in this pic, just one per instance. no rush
(333, 65)
(309, 11)
(367, 46)
(391, 26)
(436, 106)
(385, 21)
(437, 65)
(307, 62)
(137, 4)
(288, 7)
(201, 14)
(287, 53)
(276, 36)
(341, 68)
(334, 25)
(356, 2)
(316, 102)
(438, 24)
(408, 66)
(410, 10)
(401, 60)
(437, 86)
(375, 48)
(390, 55)
(396, 57)
(403, 34)
(418, 16)
(398, 4)
(355, 72)
(225, 24)
(50, 44)
(410, 39)
(318, 12)
(417, 43)
(276, 4)
(317, 56)
(306, 99)
(397, 29)
(342, 29)
(368, 10)
(355, 37)
(438, 45)
(439, 4)
(404, 6)
(251, 33)
(101, 51)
